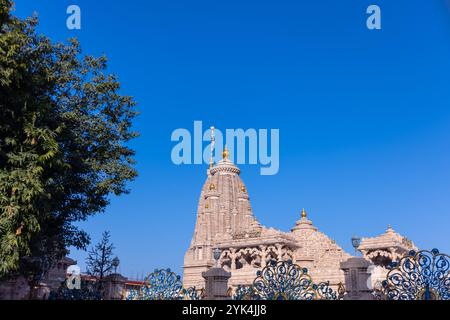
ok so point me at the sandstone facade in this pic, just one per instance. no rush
(225, 220)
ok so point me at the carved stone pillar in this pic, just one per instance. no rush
(233, 258)
(279, 252)
(263, 256)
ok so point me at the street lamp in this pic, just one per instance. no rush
(115, 264)
(356, 241)
(216, 254)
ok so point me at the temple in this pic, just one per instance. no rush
(225, 220)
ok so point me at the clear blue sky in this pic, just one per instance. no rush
(364, 116)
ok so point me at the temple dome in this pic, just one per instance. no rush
(303, 224)
(224, 165)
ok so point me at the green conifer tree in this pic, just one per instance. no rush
(64, 131)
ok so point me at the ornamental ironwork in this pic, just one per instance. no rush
(245, 293)
(284, 280)
(423, 275)
(163, 284)
(89, 290)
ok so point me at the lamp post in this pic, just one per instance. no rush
(356, 241)
(115, 264)
(115, 289)
(216, 254)
(216, 280)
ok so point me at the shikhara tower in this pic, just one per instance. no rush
(225, 220)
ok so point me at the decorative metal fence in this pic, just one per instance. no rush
(163, 284)
(284, 280)
(423, 275)
(88, 291)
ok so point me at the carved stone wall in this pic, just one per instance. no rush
(225, 220)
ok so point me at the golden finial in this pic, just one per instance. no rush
(303, 213)
(225, 153)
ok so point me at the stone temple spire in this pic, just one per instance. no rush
(224, 213)
(224, 208)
